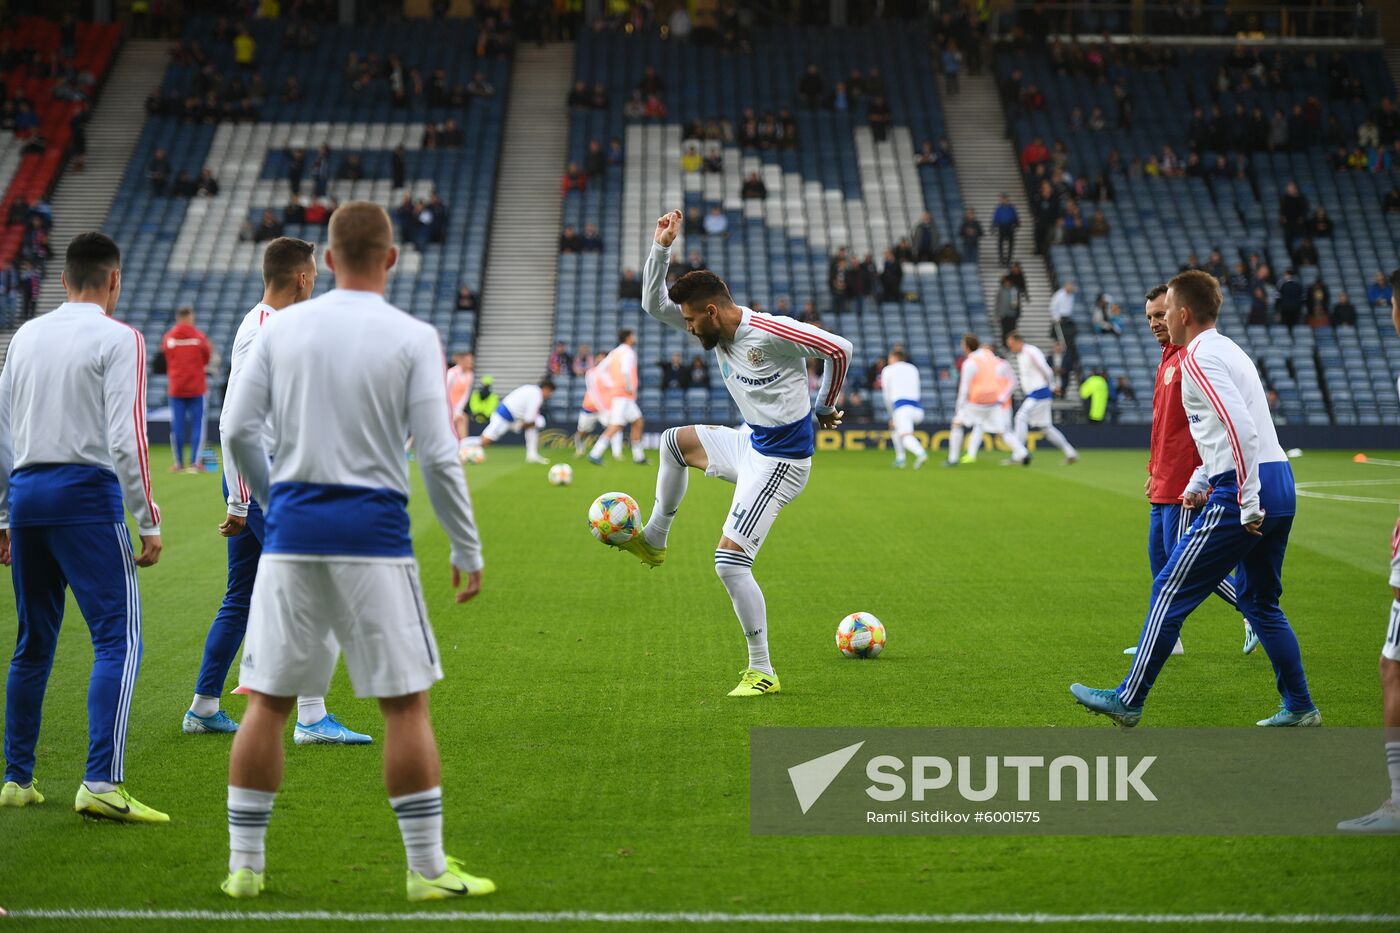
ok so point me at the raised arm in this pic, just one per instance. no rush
(656, 300)
(124, 398)
(435, 445)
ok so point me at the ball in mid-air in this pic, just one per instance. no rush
(474, 454)
(614, 518)
(860, 635)
(561, 474)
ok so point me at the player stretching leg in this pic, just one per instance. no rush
(1035, 411)
(72, 451)
(762, 360)
(521, 410)
(619, 383)
(1171, 462)
(1246, 487)
(338, 382)
(289, 275)
(1386, 819)
(899, 381)
(593, 407)
(985, 384)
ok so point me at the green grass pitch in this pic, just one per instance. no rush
(592, 761)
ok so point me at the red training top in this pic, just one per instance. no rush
(187, 353)
(1173, 457)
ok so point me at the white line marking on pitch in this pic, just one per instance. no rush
(1321, 483)
(281, 916)
(1378, 461)
(1337, 498)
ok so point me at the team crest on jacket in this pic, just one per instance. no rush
(755, 356)
(1170, 375)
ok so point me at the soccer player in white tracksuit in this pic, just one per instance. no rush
(72, 451)
(899, 383)
(763, 362)
(619, 384)
(521, 410)
(289, 276)
(1036, 412)
(1245, 486)
(341, 382)
(594, 407)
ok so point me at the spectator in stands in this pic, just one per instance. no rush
(891, 278)
(269, 228)
(1305, 253)
(1046, 210)
(950, 61)
(1215, 265)
(437, 224)
(1062, 326)
(1391, 202)
(694, 222)
(862, 280)
(1192, 263)
(560, 361)
(838, 99)
(838, 282)
(1034, 154)
(716, 222)
(713, 162)
(574, 179)
(30, 279)
(579, 96)
(598, 97)
(1102, 317)
(158, 172)
(245, 50)
(1343, 312)
(1379, 292)
(296, 167)
(321, 171)
(570, 241)
(615, 154)
(630, 286)
(691, 160)
(878, 115)
(699, 373)
(1238, 280)
(478, 86)
(184, 186)
(208, 185)
(34, 243)
(1368, 135)
(1098, 224)
(592, 239)
(351, 169)
(1292, 211)
(754, 188)
(466, 299)
(674, 373)
(1387, 120)
(651, 82)
(1318, 303)
(1032, 99)
(398, 168)
(1008, 305)
(1006, 220)
(694, 262)
(926, 157)
(1073, 231)
(811, 88)
(1288, 306)
(450, 135)
(294, 212)
(583, 360)
(924, 238)
(971, 233)
(654, 108)
(291, 90)
(595, 160)
(904, 251)
(1123, 99)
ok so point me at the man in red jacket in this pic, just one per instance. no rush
(187, 352)
(1172, 460)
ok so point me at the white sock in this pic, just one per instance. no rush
(1392, 760)
(672, 478)
(1053, 435)
(100, 787)
(955, 439)
(248, 813)
(735, 569)
(910, 443)
(310, 710)
(420, 823)
(204, 706)
(599, 447)
(532, 450)
(974, 442)
(617, 446)
(1013, 440)
(578, 443)
(639, 453)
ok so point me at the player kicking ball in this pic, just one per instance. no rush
(521, 410)
(762, 360)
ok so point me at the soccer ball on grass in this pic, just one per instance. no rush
(561, 474)
(860, 635)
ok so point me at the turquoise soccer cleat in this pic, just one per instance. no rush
(197, 725)
(328, 731)
(1107, 703)
(1286, 717)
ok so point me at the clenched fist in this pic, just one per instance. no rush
(668, 227)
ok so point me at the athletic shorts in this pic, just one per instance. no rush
(1391, 648)
(905, 417)
(588, 421)
(990, 418)
(623, 412)
(762, 484)
(498, 427)
(1036, 412)
(373, 609)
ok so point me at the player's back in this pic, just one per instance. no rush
(1032, 366)
(1210, 356)
(900, 383)
(340, 368)
(620, 372)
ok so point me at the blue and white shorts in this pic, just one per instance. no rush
(763, 484)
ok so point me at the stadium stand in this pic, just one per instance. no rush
(190, 250)
(838, 186)
(1321, 374)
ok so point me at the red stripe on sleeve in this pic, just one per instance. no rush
(138, 414)
(832, 351)
(1196, 373)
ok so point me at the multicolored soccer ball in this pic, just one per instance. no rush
(615, 518)
(860, 635)
(474, 454)
(561, 474)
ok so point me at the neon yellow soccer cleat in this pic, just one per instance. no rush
(243, 883)
(967, 458)
(754, 683)
(651, 556)
(117, 805)
(12, 795)
(455, 882)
